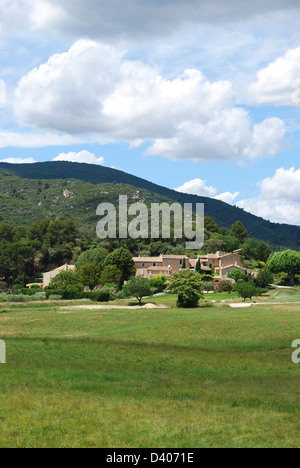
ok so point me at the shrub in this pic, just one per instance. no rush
(264, 279)
(3, 286)
(208, 286)
(17, 298)
(189, 287)
(236, 274)
(224, 286)
(246, 290)
(55, 297)
(98, 296)
(110, 274)
(158, 283)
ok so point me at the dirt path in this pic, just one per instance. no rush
(112, 307)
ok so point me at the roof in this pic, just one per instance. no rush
(61, 268)
(176, 257)
(148, 259)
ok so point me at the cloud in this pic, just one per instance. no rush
(18, 161)
(140, 19)
(199, 187)
(35, 140)
(279, 198)
(14, 14)
(187, 117)
(81, 157)
(279, 83)
(227, 197)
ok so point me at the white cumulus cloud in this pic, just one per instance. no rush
(227, 197)
(18, 161)
(93, 89)
(279, 198)
(199, 187)
(277, 84)
(81, 157)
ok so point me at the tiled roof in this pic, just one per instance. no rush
(148, 259)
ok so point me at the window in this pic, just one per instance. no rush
(143, 265)
(180, 262)
(154, 264)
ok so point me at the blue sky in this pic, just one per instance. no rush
(199, 96)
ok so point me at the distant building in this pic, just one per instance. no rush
(47, 277)
(220, 263)
(148, 267)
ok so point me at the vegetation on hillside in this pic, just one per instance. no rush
(54, 190)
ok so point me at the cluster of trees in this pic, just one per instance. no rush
(26, 253)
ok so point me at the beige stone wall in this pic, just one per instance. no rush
(48, 276)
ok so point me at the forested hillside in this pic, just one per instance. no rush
(32, 192)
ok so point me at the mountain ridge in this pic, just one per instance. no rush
(225, 215)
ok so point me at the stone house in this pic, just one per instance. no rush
(47, 277)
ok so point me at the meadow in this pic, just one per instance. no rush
(209, 377)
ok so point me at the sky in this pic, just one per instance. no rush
(202, 97)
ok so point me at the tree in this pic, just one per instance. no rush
(110, 274)
(189, 287)
(93, 255)
(256, 250)
(225, 286)
(264, 279)
(67, 284)
(7, 233)
(122, 259)
(158, 283)
(238, 230)
(90, 275)
(236, 274)
(246, 289)
(138, 287)
(285, 262)
(198, 266)
(184, 264)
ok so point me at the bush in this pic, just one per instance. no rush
(225, 286)
(188, 285)
(70, 292)
(17, 298)
(208, 286)
(54, 297)
(246, 290)
(191, 302)
(117, 295)
(158, 283)
(3, 286)
(98, 296)
(236, 274)
(264, 279)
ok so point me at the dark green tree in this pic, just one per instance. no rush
(90, 275)
(123, 260)
(239, 231)
(285, 262)
(137, 287)
(188, 285)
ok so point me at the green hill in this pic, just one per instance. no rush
(32, 192)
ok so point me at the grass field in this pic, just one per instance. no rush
(215, 377)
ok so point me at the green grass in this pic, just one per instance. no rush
(171, 378)
(287, 295)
